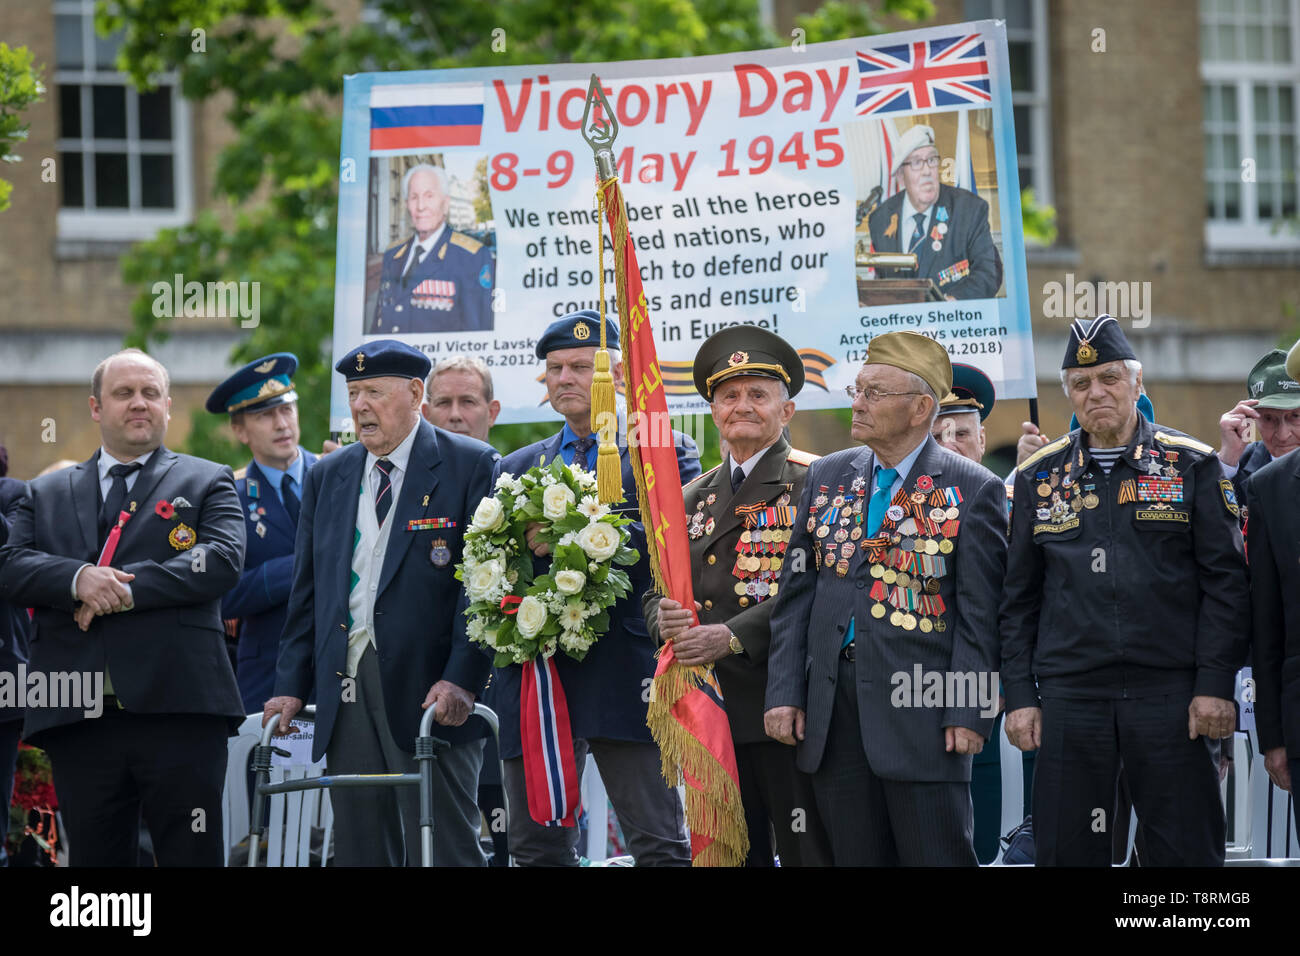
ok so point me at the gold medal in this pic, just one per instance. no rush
(890, 576)
(182, 537)
(877, 611)
(1091, 501)
(909, 622)
(855, 533)
(877, 571)
(1076, 505)
(744, 537)
(926, 625)
(931, 546)
(823, 531)
(945, 546)
(771, 589)
(940, 625)
(918, 498)
(903, 579)
(842, 568)
(896, 619)
(740, 587)
(1044, 490)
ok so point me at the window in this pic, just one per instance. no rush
(1250, 72)
(123, 155)
(1027, 54)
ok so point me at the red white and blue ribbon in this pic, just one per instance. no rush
(550, 774)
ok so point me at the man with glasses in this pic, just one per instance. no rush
(882, 664)
(946, 227)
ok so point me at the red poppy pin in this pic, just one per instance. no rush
(164, 510)
(924, 483)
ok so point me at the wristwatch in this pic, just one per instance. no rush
(735, 645)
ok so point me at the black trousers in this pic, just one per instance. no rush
(778, 800)
(872, 821)
(171, 765)
(1174, 782)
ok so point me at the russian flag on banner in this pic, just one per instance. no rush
(425, 115)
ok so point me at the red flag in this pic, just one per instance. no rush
(686, 714)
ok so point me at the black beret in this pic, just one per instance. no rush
(577, 330)
(384, 357)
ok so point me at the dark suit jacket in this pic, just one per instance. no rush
(450, 291)
(168, 654)
(1255, 457)
(15, 625)
(261, 597)
(607, 691)
(968, 238)
(420, 630)
(1273, 544)
(813, 609)
(713, 557)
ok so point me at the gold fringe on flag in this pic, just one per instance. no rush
(604, 411)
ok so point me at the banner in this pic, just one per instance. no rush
(761, 188)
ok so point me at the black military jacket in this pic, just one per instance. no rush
(1127, 585)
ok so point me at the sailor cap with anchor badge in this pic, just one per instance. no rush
(381, 358)
(1096, 342)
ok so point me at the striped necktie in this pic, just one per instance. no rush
(918, 236)
(384, 495)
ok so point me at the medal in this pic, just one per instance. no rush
(925, 625)
(1076, 505)
(877, 571)
(710, 498)
(708, 526)
(890, 575)
(182, 537)
(841, 535)
(951, 513)
(895, 513)
(439, 553)
(823, 531)
(855, 533)
(946, 546)
(842, 568)
(937, 514)
(940, 626)
(261, 530)
(740, 587)
(877, 611)
(896, 618)
(1044, 490)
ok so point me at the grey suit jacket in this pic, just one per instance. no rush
(813, 610)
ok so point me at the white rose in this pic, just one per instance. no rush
(508, 482)
(482, 579)
(599, 541)
(556, 500)
(531, 616)
(569, 582)
(488, 515)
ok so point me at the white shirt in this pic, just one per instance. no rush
(368, 555)
(107, 461)
(420, 247)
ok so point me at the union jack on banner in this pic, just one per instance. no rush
(926, 73)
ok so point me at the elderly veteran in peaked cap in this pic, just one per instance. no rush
(908, 544)
(961, 412)
(1122, 618)
(263, 408)
(375, 624)
(740, 519)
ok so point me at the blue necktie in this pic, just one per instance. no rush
(290, 498)
(581, 451)
(876, 509)
(918, 236)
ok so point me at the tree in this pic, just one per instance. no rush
(20, 86)
(281, 64)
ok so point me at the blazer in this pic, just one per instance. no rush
(743, 677)
(1273, 543)
(419, 625)
(261, 597)
(15, 625)
(968, 241)
(813, 609)
(607, 691)
(167, 655)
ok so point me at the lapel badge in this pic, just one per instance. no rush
(439, 553)
(426, 501)
(182, 537)
(261, 530)
(133, 507)
(708, 526)
(254, 490)
(163, 509)
(710, 498)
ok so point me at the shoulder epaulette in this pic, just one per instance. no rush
(801, 457)
(1183, 441)
(467, 243)
(702, 477)
(400, 242)
(241, 473)
(1048, 449)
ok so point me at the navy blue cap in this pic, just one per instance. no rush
(384, 357)
(262, 383)
(577, 330)
(972, 391)
(1096, 343)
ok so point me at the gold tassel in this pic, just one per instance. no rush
(604, 411)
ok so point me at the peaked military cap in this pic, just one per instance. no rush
(972, 391)
(577, 330)
(262, 383)
(384, 357)
(1096, 342)
(746, 350)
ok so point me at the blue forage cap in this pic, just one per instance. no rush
(383, 357)
(262, 383)
(577, 330)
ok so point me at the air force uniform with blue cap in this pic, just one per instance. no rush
(606, 691)
(270, 511)
(446, 287)
(375, 620)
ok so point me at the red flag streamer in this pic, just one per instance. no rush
(686, 713)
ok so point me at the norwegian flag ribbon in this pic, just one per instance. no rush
(550, 774)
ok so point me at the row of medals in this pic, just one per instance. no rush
(1059, 495)
(760, 551)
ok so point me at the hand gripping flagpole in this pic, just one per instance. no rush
(599, 129)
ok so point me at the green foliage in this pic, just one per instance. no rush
(20, 86)
(278, 66)
(1039, 221)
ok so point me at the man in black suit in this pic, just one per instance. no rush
(14, 635)
(375, 621)
(1273, 543)
(1273, 406)
(126, 558)
(946, 227)
(883, 663)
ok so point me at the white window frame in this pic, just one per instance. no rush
(1252, 234)
(1038, 100)
(121, 224)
